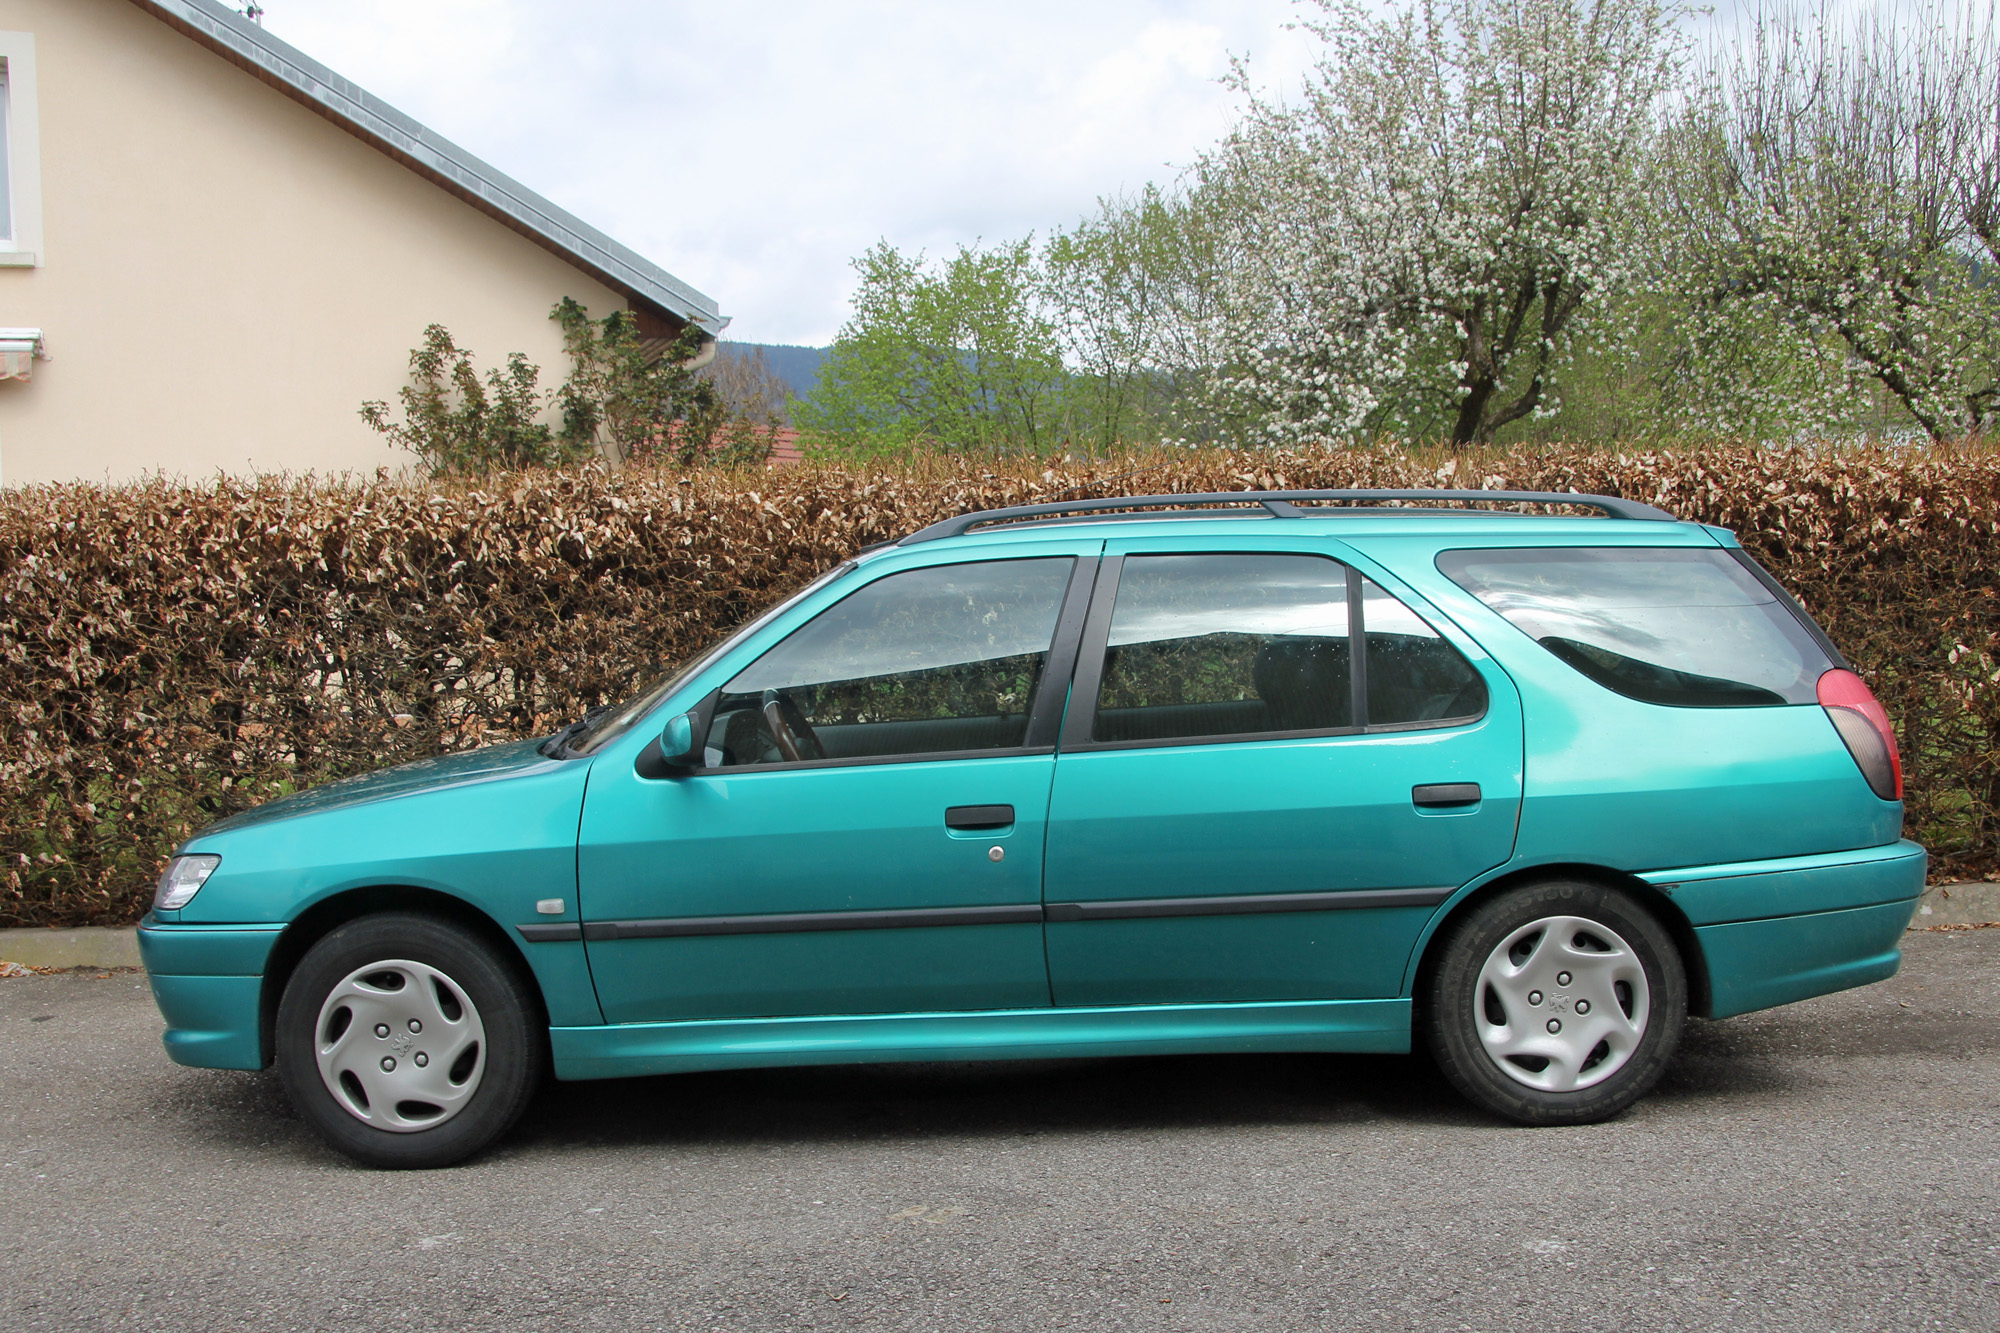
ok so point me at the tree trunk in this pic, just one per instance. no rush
(1472, 412)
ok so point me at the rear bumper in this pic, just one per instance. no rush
(1756, 964)
(1772, 932)
(208, 982)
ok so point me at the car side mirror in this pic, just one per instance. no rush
(679, 747)
(682, 745)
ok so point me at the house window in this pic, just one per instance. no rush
(20, 154)
(6, 163)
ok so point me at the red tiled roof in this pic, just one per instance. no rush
(785, 451)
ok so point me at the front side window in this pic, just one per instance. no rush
(943, 660)
(1225, 645)
(1683, 627)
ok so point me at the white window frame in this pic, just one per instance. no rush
(24, 152)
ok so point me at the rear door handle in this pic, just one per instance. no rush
(979, 816)
(1444, 795)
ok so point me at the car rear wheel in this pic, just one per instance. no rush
(1556, 1004)
(407, 1042)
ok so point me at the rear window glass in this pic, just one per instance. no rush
(1687, 628)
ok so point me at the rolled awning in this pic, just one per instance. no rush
(19, 349)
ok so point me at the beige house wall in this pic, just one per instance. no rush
(225, 276)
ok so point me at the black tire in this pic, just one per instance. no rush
(1466, 1005)
(507, 1058)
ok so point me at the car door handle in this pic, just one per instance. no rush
(1444, 795)
(979, 816)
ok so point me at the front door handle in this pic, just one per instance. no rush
(979, 816)
(1444, 795)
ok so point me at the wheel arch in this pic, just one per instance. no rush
(336, 910)
(1663, 908)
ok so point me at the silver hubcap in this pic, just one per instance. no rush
(1561, 1004)
(400, 1046)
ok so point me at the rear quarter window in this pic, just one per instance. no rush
(1687, 628)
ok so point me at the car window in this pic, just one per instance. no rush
(1683, 627)
(929, 661)
(1225, 645)
(612, 723)
(1414, 675)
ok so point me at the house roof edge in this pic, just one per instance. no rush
(368, 117)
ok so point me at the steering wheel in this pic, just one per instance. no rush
(795, 738)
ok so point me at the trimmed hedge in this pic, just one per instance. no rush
(170, 654)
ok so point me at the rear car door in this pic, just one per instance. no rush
(866, 835)
(1272, 771)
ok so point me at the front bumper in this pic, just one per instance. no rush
(1772, 932)
(209, 984)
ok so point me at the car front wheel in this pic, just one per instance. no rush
(1556, 1004)
(407, 1042)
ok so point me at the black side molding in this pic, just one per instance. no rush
(979, 816)
(780, 923)
(1127, 909)
(1444, 795)
(1008, 914)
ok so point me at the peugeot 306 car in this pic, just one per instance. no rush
(1305, 771)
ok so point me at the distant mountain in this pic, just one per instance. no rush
(797, 366)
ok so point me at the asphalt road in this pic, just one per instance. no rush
(1831, 1165)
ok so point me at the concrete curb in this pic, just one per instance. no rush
(1956, 905)
(111, 946)
(86, 946)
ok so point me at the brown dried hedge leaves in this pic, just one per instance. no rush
(170, 654)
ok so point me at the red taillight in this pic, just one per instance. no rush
(1865, 728)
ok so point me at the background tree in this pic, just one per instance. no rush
(1845, 180)
(1135, 294)
(749, 385)
(1421, 235)
(957, 354)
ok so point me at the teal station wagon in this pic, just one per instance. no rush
(1174, 774)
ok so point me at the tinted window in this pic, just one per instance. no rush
(928, 661)
(1413, 674)
(1690, 628)
(1225, 645)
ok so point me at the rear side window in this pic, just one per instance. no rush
(1415, 678)
(1225, 645)
(1681, 627)
(1240, 646)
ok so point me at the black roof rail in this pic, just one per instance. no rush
(1284, 504)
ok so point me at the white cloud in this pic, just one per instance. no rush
(753, 150)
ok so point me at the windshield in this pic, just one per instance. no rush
(601, 731)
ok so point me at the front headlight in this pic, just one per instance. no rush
(183, 878)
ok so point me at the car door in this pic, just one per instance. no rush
(866, 835)
(1271, 773)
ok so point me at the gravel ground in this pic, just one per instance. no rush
(1831, 1165)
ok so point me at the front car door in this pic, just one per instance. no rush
(866, 834)
(1272, 771)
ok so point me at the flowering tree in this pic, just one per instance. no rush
(1425, 230)
(1851, 180)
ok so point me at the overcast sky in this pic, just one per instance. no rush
(753, 150)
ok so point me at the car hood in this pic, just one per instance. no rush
(491, 764)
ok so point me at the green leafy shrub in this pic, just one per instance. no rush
(627, 396)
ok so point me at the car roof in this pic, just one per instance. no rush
(1342, 514)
